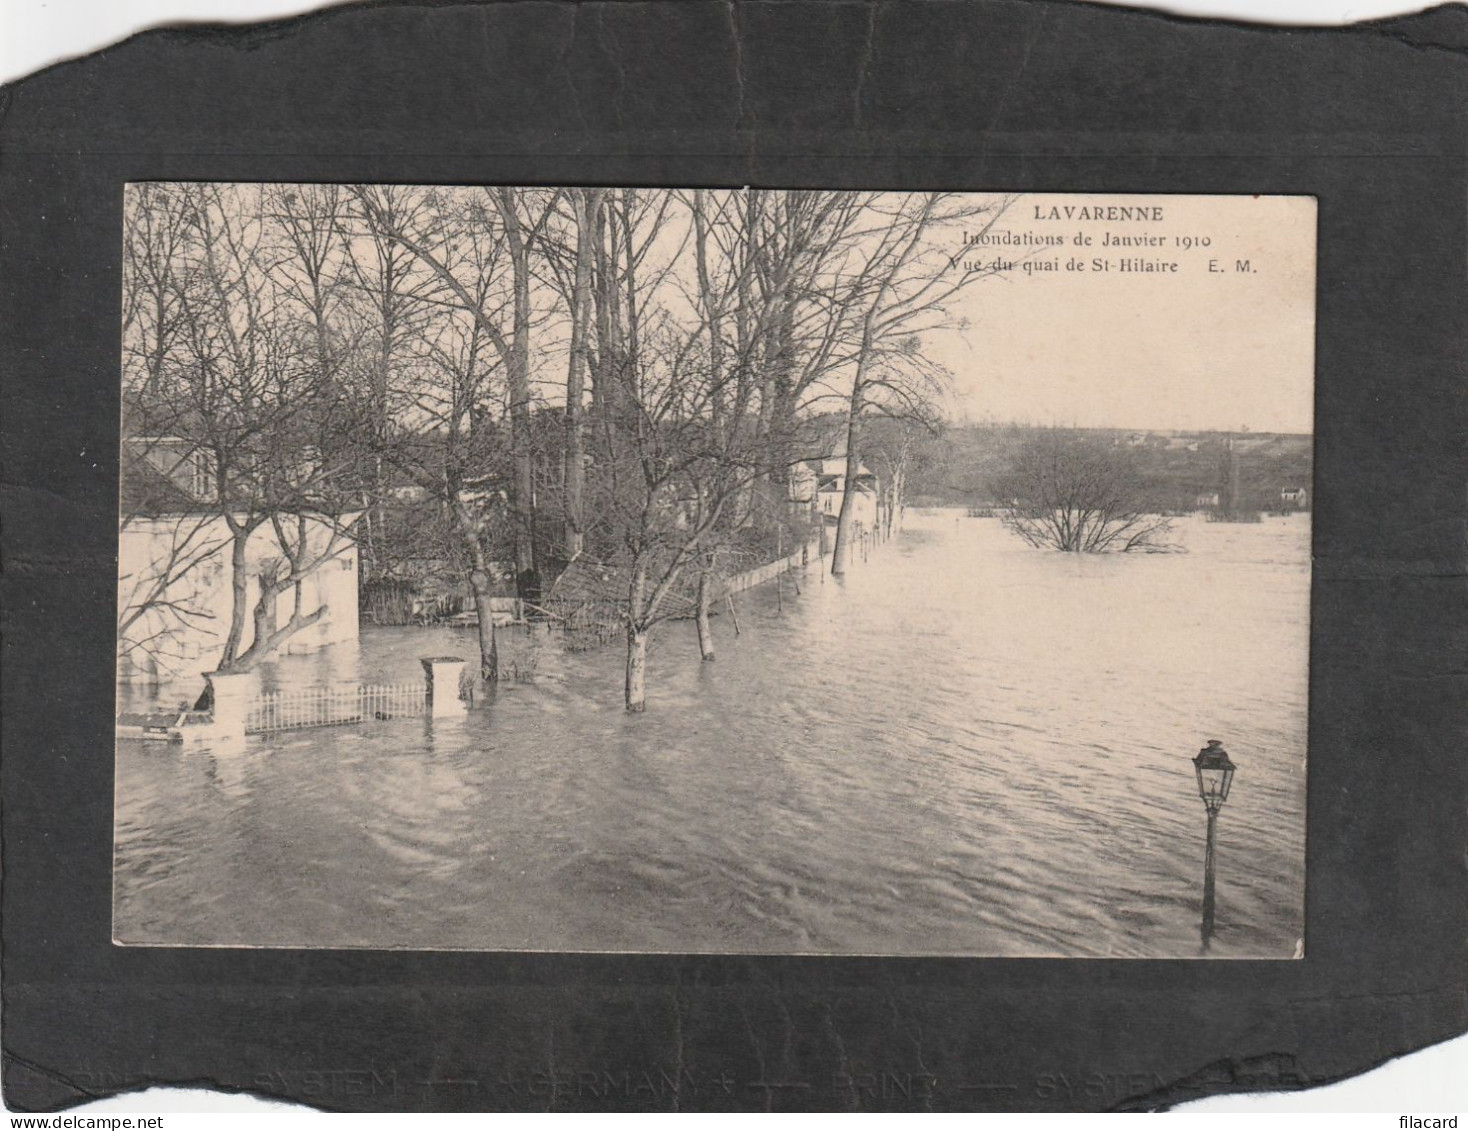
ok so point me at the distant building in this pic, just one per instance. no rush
(1206, 499)
(831, 486)
(1294, 497)
(174, 566)
(803, 481)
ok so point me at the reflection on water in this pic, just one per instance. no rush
(964, 747)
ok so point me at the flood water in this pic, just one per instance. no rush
(965, 746)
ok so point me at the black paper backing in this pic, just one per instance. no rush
(984, 95)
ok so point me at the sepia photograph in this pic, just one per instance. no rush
(714, 570)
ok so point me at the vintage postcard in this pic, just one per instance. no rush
(748, 571)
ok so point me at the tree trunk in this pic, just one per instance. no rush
(489, 660)
(632, 324)
(636, 669)
(240, 588)
(586, 201)
(607, 360)
(846, 518)
(712, 308)
(266, 623)
(636, 690)
(264, 645)
(705, 634)
(857, 405)
(518, 373)
(480, 583)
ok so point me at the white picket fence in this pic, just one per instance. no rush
(335, 706)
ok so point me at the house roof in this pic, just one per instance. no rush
(830, 483)
(145, 490)
(586, 579)
(835, 467)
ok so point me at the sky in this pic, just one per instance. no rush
(1145, 312)
(1206, 346)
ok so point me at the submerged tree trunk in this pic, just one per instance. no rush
(267, 638)
(240, 591)
(489, 659)
(636, 669)
(274, 581)
(847, 518)
(636, 688)
(481, 584)
(705, 634)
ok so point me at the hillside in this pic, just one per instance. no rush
(1177, 467)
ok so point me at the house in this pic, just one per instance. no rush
(1207, 499)
(175, 572)
(803, 481)
(831, 485)
(1293, 498)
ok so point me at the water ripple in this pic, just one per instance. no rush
(963, 747)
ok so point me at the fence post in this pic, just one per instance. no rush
(441, 674)
(231, 694)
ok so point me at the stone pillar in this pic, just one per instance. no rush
(232, 694)
(442, 675)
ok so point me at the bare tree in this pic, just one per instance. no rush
(157, 599)
(753, 253)
(727, 233)
(461, 462)
(675, 441)
(309, 337)
(669, 477)
(702, 364)
(514, 221)
(904, 280)
(389, 300)
(587, 205)
(894, 443)
(568, 253)
(1080, 495)
(451, 437)
(155, 281)
(244, 392)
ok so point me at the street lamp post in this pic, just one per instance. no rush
(1215, 775)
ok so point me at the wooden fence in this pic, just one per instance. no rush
(739, 582)
(588, 623)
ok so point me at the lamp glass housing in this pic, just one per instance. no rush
(1215, 775)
